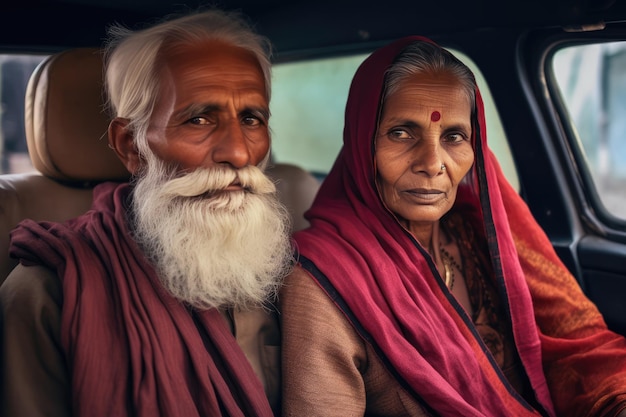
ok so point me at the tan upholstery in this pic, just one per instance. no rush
(66, 135)
(37, 197)
(66, 125)
(296, 189)
(66, 129)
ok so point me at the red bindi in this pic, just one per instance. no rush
(435, 116)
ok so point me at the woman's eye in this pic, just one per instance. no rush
(399, 134)
(455, 137)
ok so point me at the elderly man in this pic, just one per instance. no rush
(159, 301)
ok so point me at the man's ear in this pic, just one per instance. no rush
(121, 140)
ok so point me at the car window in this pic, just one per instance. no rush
(308, 103)
(591, 80)
(15, 71)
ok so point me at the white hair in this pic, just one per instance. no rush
(132, 58)
(422, 57)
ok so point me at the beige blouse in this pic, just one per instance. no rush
(339, 375)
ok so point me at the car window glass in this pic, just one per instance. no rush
(592, 82)
(15, 71)
(308, 103)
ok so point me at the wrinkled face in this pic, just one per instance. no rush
(212, 108)
(424, 125)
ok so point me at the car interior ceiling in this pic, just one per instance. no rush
(294, 26)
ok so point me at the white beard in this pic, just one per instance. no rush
(213, 248)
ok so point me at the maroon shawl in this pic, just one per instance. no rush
(131, 349)
(385, 281)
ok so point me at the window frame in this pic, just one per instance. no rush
(589, 203)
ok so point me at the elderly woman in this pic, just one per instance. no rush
(426, 287)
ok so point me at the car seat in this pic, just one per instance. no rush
(66, 131)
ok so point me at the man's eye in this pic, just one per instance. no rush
(198, 121)
(251, 121)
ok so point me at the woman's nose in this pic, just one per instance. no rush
(427, 159)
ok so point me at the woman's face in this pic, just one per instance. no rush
(424, 125)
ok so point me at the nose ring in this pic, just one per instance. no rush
(443, 167)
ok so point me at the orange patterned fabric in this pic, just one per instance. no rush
(584, 362)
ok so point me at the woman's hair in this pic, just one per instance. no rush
(423, 57)
(132, 60)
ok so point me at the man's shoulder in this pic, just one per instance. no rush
(28, 289)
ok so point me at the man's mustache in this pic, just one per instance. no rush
(209, 181)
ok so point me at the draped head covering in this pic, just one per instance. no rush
(388, 285)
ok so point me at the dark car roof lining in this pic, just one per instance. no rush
(297, 27)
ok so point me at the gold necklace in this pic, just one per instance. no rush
(449, 271)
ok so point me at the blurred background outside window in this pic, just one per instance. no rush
(15, 71)
(592, 81)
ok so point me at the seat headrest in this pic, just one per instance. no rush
(66, 121)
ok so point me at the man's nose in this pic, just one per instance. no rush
(231, 145)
